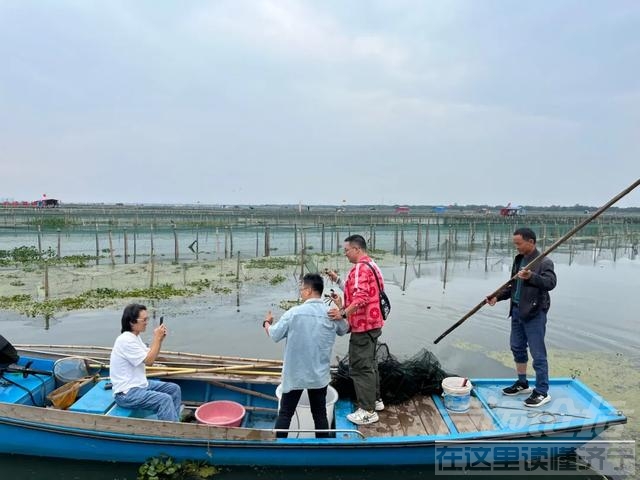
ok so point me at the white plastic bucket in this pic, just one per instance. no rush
(302, 419)
(456, 394)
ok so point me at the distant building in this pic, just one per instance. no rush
(402, 210)
(48, 203)
(512, 211)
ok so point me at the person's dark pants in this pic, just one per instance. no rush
(531, 333)
(318, 404)
(363, 367)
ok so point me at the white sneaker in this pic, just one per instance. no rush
(379, 405)
(362, 417)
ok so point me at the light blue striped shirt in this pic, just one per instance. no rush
(310, 335)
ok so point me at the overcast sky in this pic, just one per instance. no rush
(283, 101)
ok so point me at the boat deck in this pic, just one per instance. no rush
(420, 416)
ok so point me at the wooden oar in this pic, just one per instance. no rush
(539, 258)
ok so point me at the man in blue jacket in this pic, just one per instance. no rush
(310, 335)
(530, 302)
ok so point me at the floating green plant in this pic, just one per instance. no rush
(276, 263)
(166, 468)
(277, 279)
(287, 304)
(97, 298)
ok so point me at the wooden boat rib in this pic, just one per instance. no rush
(412, 433)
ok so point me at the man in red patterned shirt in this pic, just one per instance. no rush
(362, 309)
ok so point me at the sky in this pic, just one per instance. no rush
(320, 102)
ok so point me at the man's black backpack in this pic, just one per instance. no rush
(385, 304)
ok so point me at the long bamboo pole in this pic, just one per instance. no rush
(539, 258)
(243, 390)
(42, 348)
(188, 371)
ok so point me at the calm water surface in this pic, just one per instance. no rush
(594, 309)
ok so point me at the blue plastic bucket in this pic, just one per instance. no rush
(456, 393)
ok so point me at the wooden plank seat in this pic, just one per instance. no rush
(96, 400)
(100, 401)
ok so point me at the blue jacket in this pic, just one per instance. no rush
(310, 335)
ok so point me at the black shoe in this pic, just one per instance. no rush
(517, 388)
(537, 399)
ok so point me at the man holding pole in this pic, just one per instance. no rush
(529, 304)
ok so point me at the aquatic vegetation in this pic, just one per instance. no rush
(96, 298)
(277, 279)
(207, 284)
(287, 304)
(29, 255)
(79, 261)
(53, 222)
(275, 263)
(163, 467)
(25, 254)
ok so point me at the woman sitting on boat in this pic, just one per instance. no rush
(131, 389)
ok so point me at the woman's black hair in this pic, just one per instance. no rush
(130, 316)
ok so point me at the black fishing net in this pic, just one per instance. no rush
(399, 381)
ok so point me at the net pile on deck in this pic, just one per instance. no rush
(399, 381)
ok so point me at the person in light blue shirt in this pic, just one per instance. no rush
(310, 335)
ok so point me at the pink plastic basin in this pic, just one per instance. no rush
(222, 413)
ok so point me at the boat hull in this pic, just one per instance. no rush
(420, 432)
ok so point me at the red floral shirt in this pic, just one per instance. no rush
(361, 289)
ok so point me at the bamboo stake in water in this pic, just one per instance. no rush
(238, 283)
(39, 241)
(426, 240)
(176, 254)
(97, 247)
(126, 246)
(152, 263)
(404, 278)
(486, 251)
(59, 242)
(302, 250)
(46, 280)
(113, 260)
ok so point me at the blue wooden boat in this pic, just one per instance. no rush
(419, 432)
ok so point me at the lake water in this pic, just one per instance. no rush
(592, 326)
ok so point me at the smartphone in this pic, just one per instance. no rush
(161, 320)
